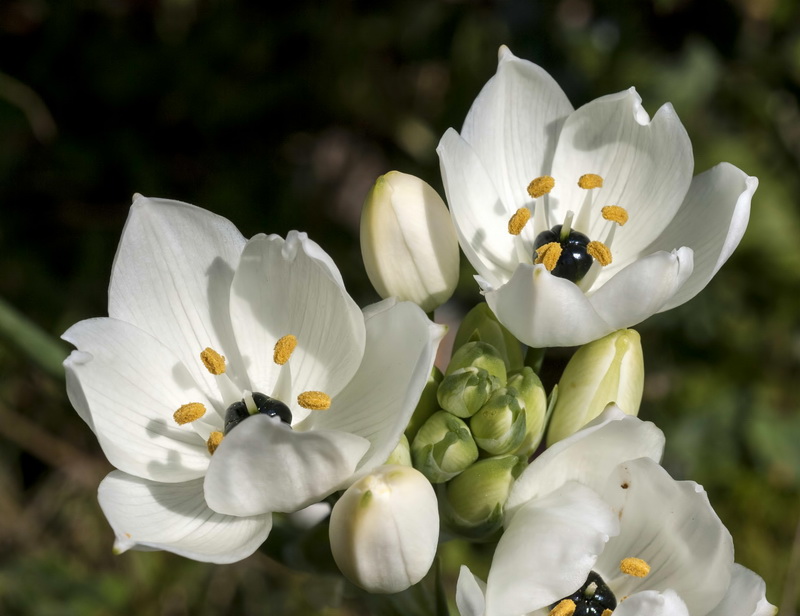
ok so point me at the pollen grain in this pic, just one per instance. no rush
(548, 254)
(188, 413)
(541, 186)
(519, 220)
(590, 180)
(600, 252)
(314, 400)
(284, 349)
(213, 361)
(615, 213)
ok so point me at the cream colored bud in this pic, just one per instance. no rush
(384, 530)
(607, 370)
(408, 241)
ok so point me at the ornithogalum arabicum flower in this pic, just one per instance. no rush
(235, 378)
(582, 222)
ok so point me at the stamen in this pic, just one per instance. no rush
(541, 186)
(188, 413)
(565, 607)
(600, 252)
(635, 567)
(214, 439)
(590, 180)
(549, 255)
(606, 612)
(615, 213)
(284, 348)
(213, 361)
(314, 400)
(519, 220)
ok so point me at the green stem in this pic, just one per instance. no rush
(534, 358)
(32, 340)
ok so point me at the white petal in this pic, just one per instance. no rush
(543, 310)
(671, 525)
(378, 403)
(588, 456)
(746, 596)
(175, 517)
(288, 287)
(172, 277)
(263, 466)
(646, 167)
(642, 288)
(548, 549)
(652, 603)
(470, 591)
(479, 215)
(513, 125)
(127, 386)
(711, 222)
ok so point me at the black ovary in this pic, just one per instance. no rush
(574, 261)
(237, 412)
(595, 604)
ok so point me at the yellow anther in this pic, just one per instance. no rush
(615, 213)
(565, 607)
(590, 180)
(188, 413)
(541, 186)
(600, 252)
(635, 567)
(214, 439)
(213, 361)
(519, 220)
(606, 612)
(283, 349)
(549, 255)
(314, 400)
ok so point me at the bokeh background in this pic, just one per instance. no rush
(281, 118)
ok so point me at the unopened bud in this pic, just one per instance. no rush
(465, 391)
(499, 427)
(401, 455)
(427, 405)
(481, 325)
(482, 355)
(531, 393)
(443, 447)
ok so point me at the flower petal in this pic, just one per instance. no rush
(642, 288)
(671, 525)
(171, 278)
(513, 126)
(711, 222)
(588, 456)
(652, 603)
(127, 386)
(378, 403)
(646, 166)
(470, 592)
(289, 287)
(543, 310)
(548, 549)
(264, 466)
(175, 517)
(746, 596)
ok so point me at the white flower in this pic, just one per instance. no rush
(521, 154)
(274, 315)
(655, 543)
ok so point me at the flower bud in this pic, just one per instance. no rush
(499, 427)
(473, 502)
(384, 530)
(607, 370)
(443, 447)
(465, 391)
(408, 241)
(401, 455)
(532, 396)
(479, 355)
(481, 324)
(427, 405)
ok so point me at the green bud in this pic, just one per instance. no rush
(465, 391)
(427, 404)
(443, 447)
(604, 371)
(479, 355)
(499, 427)
(533, 398)
(401, 455)
(472, 503)
(480, 324)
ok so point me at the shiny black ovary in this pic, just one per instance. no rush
(237, 412)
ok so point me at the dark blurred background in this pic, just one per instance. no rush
(282, 118)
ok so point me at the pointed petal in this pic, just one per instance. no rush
(746, 596)
(172, 277)
(542, 310)
(479, 216)
(646, 166)
(264, 466)
(513, 126)
(652, 603)
(289, 287)
(642, 288)
(548, 549)
(711, 222)
(175, 517)
(671, 525)
(470, 592)
(589, 456)
(378, 403)
(127, 386)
